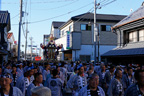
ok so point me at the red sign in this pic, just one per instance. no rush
(37, 58)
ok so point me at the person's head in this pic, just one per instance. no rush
(48, 67)
(103, 67)
(93, 81)
(8, 66)
(5, 80)
(14, 68)
(118, 73)
(139, 76)
(38, 77)
(112, 68)
(129, 70)
(31, 72)
(58, 69)
(0, 69)
(80, 69)
(91, 67)
(20, 65)
(75, 70)
(85, 66)
(41, 91)
(55, 73)
(35, 69)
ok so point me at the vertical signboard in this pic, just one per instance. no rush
(68, 40)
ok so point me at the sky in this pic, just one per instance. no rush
(47, 11)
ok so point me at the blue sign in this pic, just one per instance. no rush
(68, 40)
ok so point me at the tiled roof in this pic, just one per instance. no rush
(136, 15)
(129, 49)
(4, 17)
(57, 24)
(100, 17)
(125, 52)
(9, 35)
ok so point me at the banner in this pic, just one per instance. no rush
(68, 40)
(37, 58)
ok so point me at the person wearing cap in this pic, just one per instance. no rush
(92, 89)
(109, 76)
(20, 69)
(41, 91)
(101, 74)
(37, 82)
(137, 89)
(78, 81)
(8, 69)
(128, 79)
(14, 75)
(55, 84)
(24, 81)
(116, 85)
(46, 72)
(6, 88)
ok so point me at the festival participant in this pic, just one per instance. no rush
(14, 75)
(46, 71)
(41, 91)
(137, 89)
(55, 84)
(109, 76)
(24, 81)
(128, 78)
(6, 88)
(101, 74)
(92, 89)
(37, 82)
(78, 81)
(116, 87)
(20, 70)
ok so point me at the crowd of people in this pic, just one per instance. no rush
(70, 79)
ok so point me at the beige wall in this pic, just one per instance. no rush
(106, 38)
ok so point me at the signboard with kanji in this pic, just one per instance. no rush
(68, 40)
(37, 58)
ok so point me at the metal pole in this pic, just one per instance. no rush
(95, 31)
(19, 37)
(26, 41)
(31, 47)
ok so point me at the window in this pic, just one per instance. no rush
(106, 28)
(141, 35)
(85, 27)
(70, 28)
(133, 36)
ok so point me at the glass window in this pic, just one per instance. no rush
(70, 28)
(85, 27)
(133, 36)
(106, 28)
(141, 35)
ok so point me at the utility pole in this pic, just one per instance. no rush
(19, 37)
(31, 46)
(26, 41)
(95, 31)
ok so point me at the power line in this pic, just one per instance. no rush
(15, 16)
(58, 15)
(58, 6)
(40, 2)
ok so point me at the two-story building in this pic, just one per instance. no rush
(4, 29)
(77, 36)
(130, 37)
(55, 29)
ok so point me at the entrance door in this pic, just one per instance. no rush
(85, 58)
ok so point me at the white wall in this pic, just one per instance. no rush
(89, 50)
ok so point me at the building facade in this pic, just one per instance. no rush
(55, 29)
(77, 36)
(130, 37)
(4, 29)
